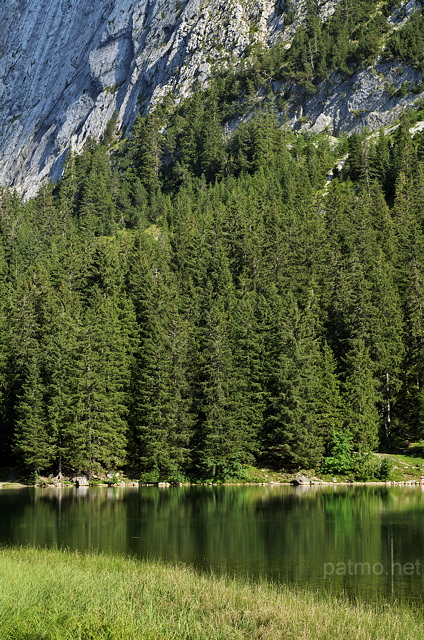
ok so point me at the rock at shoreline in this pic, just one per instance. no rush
(80, 481)
(300, 480)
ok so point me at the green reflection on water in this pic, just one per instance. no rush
(363, 541)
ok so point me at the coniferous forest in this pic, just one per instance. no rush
(199, 296)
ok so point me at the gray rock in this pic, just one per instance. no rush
(366, 100)
(300, 480)
(80, 481)
(66, 66)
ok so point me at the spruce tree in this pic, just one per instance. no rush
(304, 403)
(219, 443)
(95, 438)
(361, 397)
(35, 444)
(160, 407)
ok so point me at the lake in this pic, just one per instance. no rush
(360, 541)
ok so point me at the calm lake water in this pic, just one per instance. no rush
(362, 541)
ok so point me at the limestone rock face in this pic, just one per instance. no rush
(367, 99)
(66, 66)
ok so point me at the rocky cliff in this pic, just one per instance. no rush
(66, 67)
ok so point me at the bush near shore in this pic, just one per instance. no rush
(61, 595)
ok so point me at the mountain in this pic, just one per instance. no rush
(67, 66)
(211, 283)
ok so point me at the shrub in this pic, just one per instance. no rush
(365, 467)
(150, 477)
(386, 469)
(340, 459)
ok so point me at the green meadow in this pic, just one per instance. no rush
(64, 595)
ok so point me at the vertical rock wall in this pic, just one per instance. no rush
(67, 65)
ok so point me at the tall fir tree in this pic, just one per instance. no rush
(160, 408)
(361, 397)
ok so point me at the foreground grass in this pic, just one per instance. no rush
(59, 595)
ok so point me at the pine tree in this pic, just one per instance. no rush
(34, 442)
(160, 410)
(96, 206)
(410, 274)
(5, 363)
(219, 444)
(60, 353)
(96, 436)
(266, 136)
(145, 146)
(360, 397)
(304, 396)
(211, 145)
(247, 340)
(68, 188)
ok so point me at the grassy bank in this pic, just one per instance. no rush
(406, 465)
(57, 595)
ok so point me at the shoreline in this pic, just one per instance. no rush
(165, 485)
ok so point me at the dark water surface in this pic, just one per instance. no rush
(363, 541)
